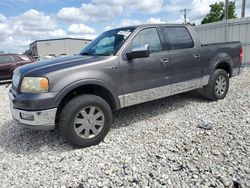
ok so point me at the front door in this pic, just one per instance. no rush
(146, 79)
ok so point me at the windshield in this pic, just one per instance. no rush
(108, 43)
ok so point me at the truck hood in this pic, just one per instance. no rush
(45, 66)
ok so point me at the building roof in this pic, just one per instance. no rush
(44, 40)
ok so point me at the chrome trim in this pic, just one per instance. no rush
(121, 99)
(163, 91)
(43, 120)
(146, 95)
(186, 86)
(205, 80)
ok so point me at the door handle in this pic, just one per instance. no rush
(112, 67)
(164, 61)
(197, 55)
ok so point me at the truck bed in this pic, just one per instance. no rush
(214, 52)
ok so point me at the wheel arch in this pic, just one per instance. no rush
(224, 62)
(96, 87)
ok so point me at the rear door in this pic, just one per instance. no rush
(185, 65)
(7, 63)
(146, 79)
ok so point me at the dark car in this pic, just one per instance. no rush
(8, 63)
(122, 67)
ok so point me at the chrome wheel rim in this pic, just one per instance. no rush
(89, 122)
(220, 85)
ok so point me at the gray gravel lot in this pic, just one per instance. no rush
(180, 141)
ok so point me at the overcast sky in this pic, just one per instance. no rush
(23, 21)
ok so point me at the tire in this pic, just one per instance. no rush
(88, 113)
(219, 81)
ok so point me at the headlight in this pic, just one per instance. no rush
(35, 85)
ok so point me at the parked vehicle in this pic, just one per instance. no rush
(8, 62)
(120, 68)
(45, 58)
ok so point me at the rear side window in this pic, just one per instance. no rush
(24, 58)
(179, 37)
(148, 36)
(17, 58)
(6, 59)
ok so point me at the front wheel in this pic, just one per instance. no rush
(85, 120)
(218, 85)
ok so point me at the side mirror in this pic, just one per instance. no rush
(140, 51)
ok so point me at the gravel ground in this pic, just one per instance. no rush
(180, 141)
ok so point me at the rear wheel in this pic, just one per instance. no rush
(218, 85)
(85, 120)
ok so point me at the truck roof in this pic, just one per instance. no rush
(148, 25)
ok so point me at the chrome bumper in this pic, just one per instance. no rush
(36, 120)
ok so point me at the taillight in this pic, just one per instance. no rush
(241, 54)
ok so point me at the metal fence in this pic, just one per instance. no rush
(227, 30)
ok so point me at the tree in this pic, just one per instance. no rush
(217, 12)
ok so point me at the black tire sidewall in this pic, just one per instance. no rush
(67, 125)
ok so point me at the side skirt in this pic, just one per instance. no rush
(161, 92)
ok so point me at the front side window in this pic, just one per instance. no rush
(6, 59)
(179, 37)
(108, 43)
(148, 36)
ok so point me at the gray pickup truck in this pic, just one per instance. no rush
(122, 67)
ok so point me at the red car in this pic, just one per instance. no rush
(8, 63)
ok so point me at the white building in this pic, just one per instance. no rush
(226, 31)
(57, 47)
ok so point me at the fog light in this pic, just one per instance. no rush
(25, 116)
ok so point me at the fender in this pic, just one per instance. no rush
(84, 82)
(221, 58)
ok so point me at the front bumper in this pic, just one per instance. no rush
(36, 120)
(33, 119)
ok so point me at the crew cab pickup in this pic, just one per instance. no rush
(122, 67)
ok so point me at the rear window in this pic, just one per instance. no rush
(6, 59)
(179, 37)
(17, 58)
(24, 58)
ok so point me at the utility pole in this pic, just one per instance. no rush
(185, 14)
(226, 9)
(243, 8)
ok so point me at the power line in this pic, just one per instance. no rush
(185, 14)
